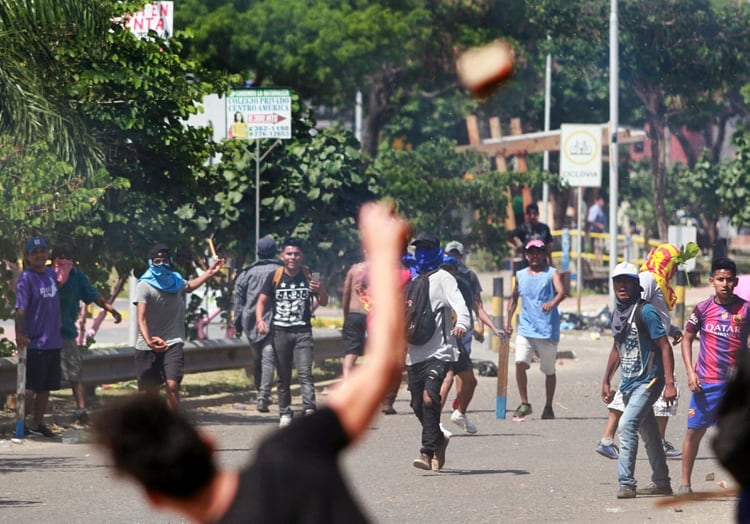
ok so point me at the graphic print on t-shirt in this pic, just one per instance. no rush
(631, 361)
(291, 303)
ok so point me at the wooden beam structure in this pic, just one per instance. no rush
(541, 141)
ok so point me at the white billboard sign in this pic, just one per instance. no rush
(156, 16)
(259, 113)
(581, 155)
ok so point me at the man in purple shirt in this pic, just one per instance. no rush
(38, 330)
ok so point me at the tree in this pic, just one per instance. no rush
(455, 195)
(311, 187)
(395, 53)
(677, 66)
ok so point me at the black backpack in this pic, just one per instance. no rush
(420, 318)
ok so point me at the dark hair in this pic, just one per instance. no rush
(532, 207)
(155, 445)
(62, 249)
(723, 263)
(293, 242)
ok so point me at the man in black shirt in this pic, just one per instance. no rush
(531, 229)
(290, 291)
(294, 476)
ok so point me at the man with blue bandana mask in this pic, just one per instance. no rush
(427, 364)
(160, 303)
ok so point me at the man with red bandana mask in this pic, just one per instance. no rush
(74, 287)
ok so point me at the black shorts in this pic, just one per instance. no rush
(43, 371)
(463, 363)
(153, 368)
(353, 333)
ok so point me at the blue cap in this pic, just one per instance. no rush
(35, 242)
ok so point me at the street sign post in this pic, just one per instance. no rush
(255, 114)
(580, 166)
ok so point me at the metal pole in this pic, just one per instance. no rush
(547, 104)
(679, 308)
(614, 76)
(358, 117)
(579, 250)
(257, 194)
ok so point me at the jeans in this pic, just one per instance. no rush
(426, 378)
(294, 346)
(263, 367)
(638, 418)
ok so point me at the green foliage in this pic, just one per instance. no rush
(311, 187)
(456, 195)
(735, 181)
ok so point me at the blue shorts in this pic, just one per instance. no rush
(704, 406)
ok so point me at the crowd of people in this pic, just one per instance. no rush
(273, 305)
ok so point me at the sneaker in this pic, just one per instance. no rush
(43, 431)
(670, 451)
(462, 421)
(262, 405)
(309, 411)
(523, 410)
(547, 413)
(388, 409)
(653, 489)
(611, 451)
(444, 430)
(626, 492)
(438, 459)
(82, 416)
(423, 462)
(285, 420)
(684, 490)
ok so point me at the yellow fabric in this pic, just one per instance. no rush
(662, 263)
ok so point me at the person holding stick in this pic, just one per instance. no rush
(295, 475)
(642, 351)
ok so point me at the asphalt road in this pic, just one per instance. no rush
(528, 471)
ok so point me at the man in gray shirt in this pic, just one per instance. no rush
(160, 303)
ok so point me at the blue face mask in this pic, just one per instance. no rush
(162, 277)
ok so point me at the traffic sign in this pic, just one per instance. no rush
(259, 113)
(581, 155)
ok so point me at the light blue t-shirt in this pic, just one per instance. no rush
(536, 290)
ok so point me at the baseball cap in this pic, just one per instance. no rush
(35, 242)
(625, 269)
(454, 245)
(267, 247)
(159, 251)
(426, 237)
(536, 243)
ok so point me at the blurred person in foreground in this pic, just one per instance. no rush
(294, 476)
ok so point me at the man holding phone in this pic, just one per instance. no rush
(289, 291)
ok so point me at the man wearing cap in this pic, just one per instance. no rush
(74, 287)
(642, 351)
(540, 289)
(37, 326)
(246, 292)
(530, 230)
(466, 382)
(160, 308)
(427, 364)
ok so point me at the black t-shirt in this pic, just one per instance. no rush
(290, 299)
(295, 477)
(527, 232)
